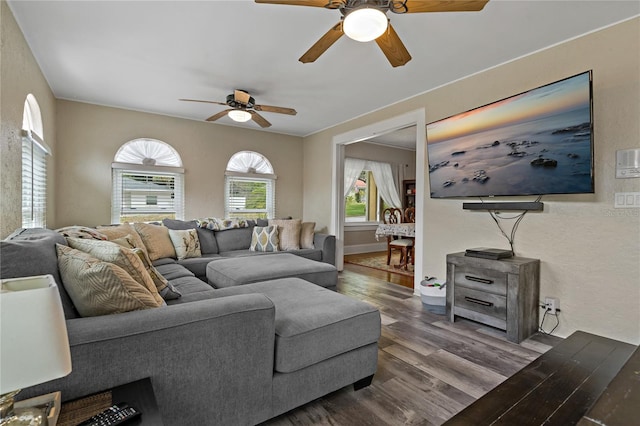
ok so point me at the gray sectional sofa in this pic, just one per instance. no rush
(231, 356)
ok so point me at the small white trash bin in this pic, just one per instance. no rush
(433, 294)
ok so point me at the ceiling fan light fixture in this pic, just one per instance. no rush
(239, 115)
(365, 24)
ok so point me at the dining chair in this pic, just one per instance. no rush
(404, 245)
(410, 217)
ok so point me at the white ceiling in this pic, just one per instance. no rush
(145, 55)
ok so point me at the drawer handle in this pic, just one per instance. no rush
(478, 280)
(478, 301)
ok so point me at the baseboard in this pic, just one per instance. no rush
(365, 248)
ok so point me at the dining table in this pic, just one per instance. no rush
(406, 229)
(402, 230)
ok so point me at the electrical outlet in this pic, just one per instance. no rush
(552, 305)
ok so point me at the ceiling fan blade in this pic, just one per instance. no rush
(259, 119)
(279, 110)
(420, 6)
(323, 44)
(206, 102)
(221, 114)
(329, 4)
(393, 48)
(242, 97)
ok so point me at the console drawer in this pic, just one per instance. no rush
(482, 302)
(481, 279)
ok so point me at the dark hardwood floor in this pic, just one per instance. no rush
(428, 368)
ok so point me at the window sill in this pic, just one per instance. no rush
(361, 226)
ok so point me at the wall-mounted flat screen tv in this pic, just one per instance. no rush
(534, 143)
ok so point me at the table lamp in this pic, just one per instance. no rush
(34, 347)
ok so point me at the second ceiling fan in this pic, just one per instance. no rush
(366, 20)
(242, 107)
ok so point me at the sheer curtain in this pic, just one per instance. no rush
(352, 169)
(387, 188)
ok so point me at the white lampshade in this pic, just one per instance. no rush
(34, 346)
(239, 115)
(365, 24)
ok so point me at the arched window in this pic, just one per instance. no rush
(250, 187)
(148, 182)
(34, 166)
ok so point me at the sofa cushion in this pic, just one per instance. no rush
(198, 265)
(206, 237)
(123, 257)
(171, 271)
(100, 288)
(234, 239)
(189, 286)
(307, 230)
(156, 239)
(235, 271)
(264, 238)
(288, 232)
(185, 242)
(312, 323)
(29, 252)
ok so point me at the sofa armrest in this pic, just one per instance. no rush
(208, 360)
(327, 243)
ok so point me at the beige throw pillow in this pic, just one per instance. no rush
(119, 231)
(156, 239)
(185, 242)
(100, 288)
(288, 233)
(306, 235)
(167, 290)
(123, 257)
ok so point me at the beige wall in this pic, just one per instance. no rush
(590, 252)
(90, 135)
(19, 76)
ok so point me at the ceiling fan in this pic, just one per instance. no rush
(244, 108)
(366, 20)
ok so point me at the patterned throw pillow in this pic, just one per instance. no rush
(156, 239)
(100, 288)
(185, 242)
(123, 257)
(264, 238)
(81, 232)
(306, 235)
(217, 224)
(288, 232)
(167, 290)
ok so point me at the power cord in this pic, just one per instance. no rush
(546, 311)
(495, 215)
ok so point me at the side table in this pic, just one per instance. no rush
(138, 394)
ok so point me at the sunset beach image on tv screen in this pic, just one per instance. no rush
(537, 142)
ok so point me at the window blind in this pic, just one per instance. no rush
(145, 196)
(34, 183)
(249, 198)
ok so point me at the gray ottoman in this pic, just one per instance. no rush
(235, 271)
(314, 324)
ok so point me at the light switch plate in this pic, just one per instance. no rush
(625, 200)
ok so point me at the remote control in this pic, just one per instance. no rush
(117, 414)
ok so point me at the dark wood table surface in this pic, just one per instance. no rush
(557, 388)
